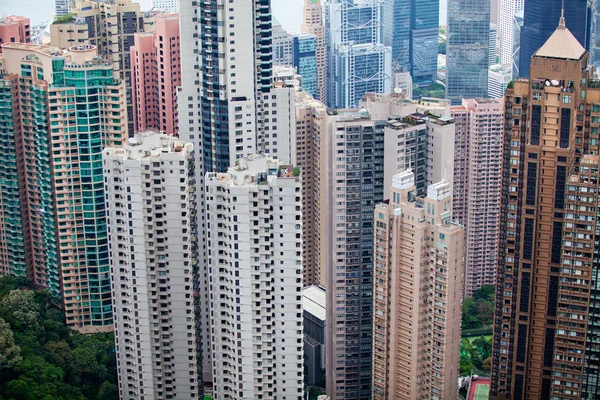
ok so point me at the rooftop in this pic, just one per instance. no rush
(313, 301)
(561, 44)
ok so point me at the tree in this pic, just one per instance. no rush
(442, 47)
(10, 353)
(487, 364)
(108, 391)
(19, 307)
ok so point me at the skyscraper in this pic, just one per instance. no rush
(254, 217)
(354, 182)
(282, 45)
(359, 61)
(304, 58)
(415, 355)
(312, 22)
(540, 18)
(477, 186)
(546, 317)
(229, 108)
(156, 75)
(411, 30)
(151, 217)
(506, 32)
(467, 51)
(65, 109)
(110, 26)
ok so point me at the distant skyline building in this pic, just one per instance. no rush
(63, 7)
(506, 30)
(315, 320)
(467, 51)
(540, 18)
(477, 186)
(411, 29)
(110, 26)
(156, 76)
(499, 76)
(151, 218)
(493, 43)
(69, 108)
(312, 22)
(517, 27)
(359, 62)
(415, 355)
(14, 29)
(282, 45)
(304, 58)
(255, 280)
(166, 5)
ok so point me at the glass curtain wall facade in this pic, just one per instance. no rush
(467, 51)
(305, 61)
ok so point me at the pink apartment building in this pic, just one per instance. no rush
(155, 76)
(14, 29)
(477, 182)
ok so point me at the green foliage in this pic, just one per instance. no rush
(52, 361)
(296, 171)
(475, 356)
(436, 90)
(478, 312)
(442, 47)
(61, 19)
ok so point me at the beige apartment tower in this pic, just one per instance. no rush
(418, 272)
(312, 23)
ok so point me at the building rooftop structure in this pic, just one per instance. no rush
(149, 144)
(313, 301)
(561, 44)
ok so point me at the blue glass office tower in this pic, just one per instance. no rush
(359, 62)
(305, 60)
(467, 49)
(411, 30)
(540, 18)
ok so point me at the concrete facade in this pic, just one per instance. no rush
(14, 29)
(254, 240)
(477, 186)
(156, 75)
(417, 293)
(151, 218)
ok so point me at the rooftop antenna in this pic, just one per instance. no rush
(561, 23)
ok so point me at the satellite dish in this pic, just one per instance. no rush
(555, 82)
(397, 90)
(547, 82)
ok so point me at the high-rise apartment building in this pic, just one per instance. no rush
(417, 293)
(506, 31)
(546, 317)
(14, 29)
(229, 107)
(359, 62)
(411, 30)
(65, 107)
(467, 51)
(310, 158)
(151, 218)
(109, 25)
(156, 75)
(354, 181)
(165, 5)
(254, 243)
(477, 185)
(540, 18)
(312, 22)
(304, 58)
(63, 7)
